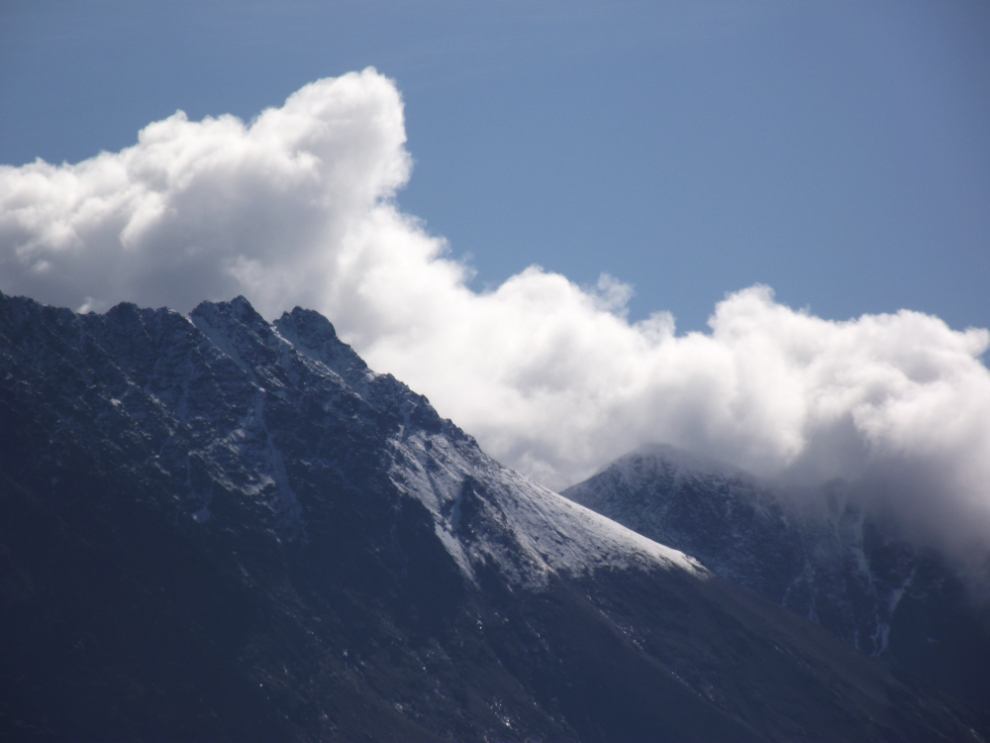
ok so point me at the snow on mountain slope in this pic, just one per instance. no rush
(220, 528)
(545, 532)
(256, 365)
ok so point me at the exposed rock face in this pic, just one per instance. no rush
(220, 528)
(843, 570)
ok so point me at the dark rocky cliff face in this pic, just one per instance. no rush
(844, 570)
(216, 528)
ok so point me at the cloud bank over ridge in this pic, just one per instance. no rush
(295, 208)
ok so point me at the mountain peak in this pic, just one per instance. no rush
(238, 310)
(682, 461)
(850, 572)
(313, 335)
(221, 528)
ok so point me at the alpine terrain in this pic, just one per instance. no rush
(844, 569)
(219, 528)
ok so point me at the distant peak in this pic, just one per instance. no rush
(239, 309)
(684, 461)
(310, 318)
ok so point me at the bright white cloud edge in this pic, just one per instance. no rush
(295, 208)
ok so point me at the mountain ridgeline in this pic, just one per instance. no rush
(844, 569)
(220, 528)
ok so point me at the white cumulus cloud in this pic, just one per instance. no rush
(295, 208)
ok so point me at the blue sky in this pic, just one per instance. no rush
(836, 151)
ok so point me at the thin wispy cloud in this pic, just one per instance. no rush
(296, 208)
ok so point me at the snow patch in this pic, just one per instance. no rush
(550, 533)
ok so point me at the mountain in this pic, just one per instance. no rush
(848, 571)
(219, 528)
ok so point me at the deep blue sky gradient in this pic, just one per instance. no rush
(837, 151)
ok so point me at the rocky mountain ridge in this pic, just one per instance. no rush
(221, 528)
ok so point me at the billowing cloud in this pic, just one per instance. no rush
(295, 208)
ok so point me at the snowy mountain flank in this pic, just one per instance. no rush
(845, 570)
(220, 528)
